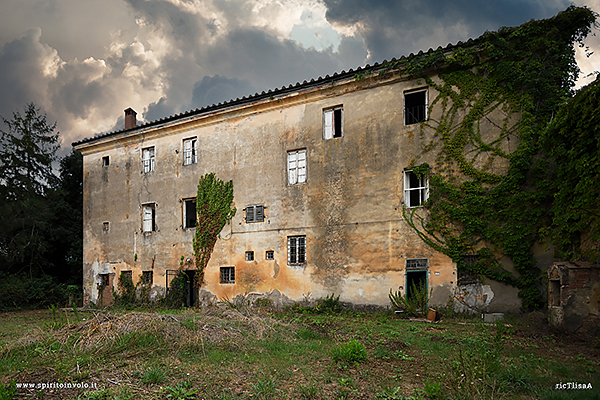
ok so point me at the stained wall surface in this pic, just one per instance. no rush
(349, 209)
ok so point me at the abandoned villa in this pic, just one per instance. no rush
(322, 172)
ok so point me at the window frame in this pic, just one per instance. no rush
(423, 189)
(152, 219)
(333, 128)
(148, 162)
(293, 173)
(249, 256)
(415, 120)
(256, 216)
(190, 156)
(270, 255)
(227, 275)
(105, 161)
(144, 278)
(294, 255)
(184, 212)
(417, 267)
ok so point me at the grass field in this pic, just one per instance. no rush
(230, 352)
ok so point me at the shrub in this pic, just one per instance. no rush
(415, 305)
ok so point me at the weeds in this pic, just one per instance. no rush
(265, 387)
(181, 391)
(351, 352)
(414, 304)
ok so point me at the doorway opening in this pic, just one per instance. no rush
(191, 296)
(415, 280)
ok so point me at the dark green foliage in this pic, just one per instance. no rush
(573, 142)
(524, 73)
(21, 291)
(177, 291)
(415, 305)
(126, 294)
(351, 352)
(214, 205)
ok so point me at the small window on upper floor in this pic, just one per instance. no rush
(189, 213)
(415, 107)
(149, 217)
(105, 161)
(333, 122)
(148, 159)
(190, 151)
(269, 255)
(296, 167)
(255, 213)
(416, 190)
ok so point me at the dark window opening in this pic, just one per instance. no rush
(105, 161)
(255, 213)
(466, 276)
(296, 250)
(189, 213)
(415, 107)
(249, 256)
(147, 277)
(227, 275)
(104, 281)
(126, 276)
(554, 294)
(270, 255)
(105, 226)
(332, 123)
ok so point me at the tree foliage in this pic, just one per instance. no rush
(524, 74)
(214, 207)
(573, 142)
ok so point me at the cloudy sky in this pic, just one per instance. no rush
(84, 61)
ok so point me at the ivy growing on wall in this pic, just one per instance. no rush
(214, 207)
(490, 190)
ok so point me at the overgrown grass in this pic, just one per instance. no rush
(227, 353)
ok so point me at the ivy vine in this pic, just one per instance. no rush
(519, 76)
(214, 208)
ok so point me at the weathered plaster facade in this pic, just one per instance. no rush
(349, 209)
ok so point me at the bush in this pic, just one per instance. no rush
(353, 351)
(415, 305)
(22, 291)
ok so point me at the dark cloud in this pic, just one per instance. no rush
(392, 28)
(217, 89)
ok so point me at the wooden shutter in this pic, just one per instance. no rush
(259, 213)
(249, 214)
(148, 218)
(301, 166)
(292, 167)
(328, 124)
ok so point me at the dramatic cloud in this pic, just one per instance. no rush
(85, 62)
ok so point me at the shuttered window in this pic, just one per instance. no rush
(255, 213)
(332, 123)
(296, 250)
(416, 189)
(296, 167)
(148, 218)
(190, 151)
(148, 159)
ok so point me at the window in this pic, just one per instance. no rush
(415, 107)
(296, 250)
(270, 255)
(148, 159)
(147, 277)
(105, 161)
(332, 123)
(104, 280)
(415, 189)
(189, 213)
(249, 256)
(296, 167)
(126, 276)
(149, 218)
(416, 264)
(255, 213)
(105, 226)
(465, 276)
(227, 275)
(189, 151)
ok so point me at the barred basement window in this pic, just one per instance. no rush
(147, 277)
(126, 276)
(296, 250)
(249, 256)
(296, 167)
(415, 107)
(417, 264)
(465, 276)
(332, 123)
(270, 255)
(416, 190)
(190, 151)
(227, 275)
(255, 213)
(148, 159)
